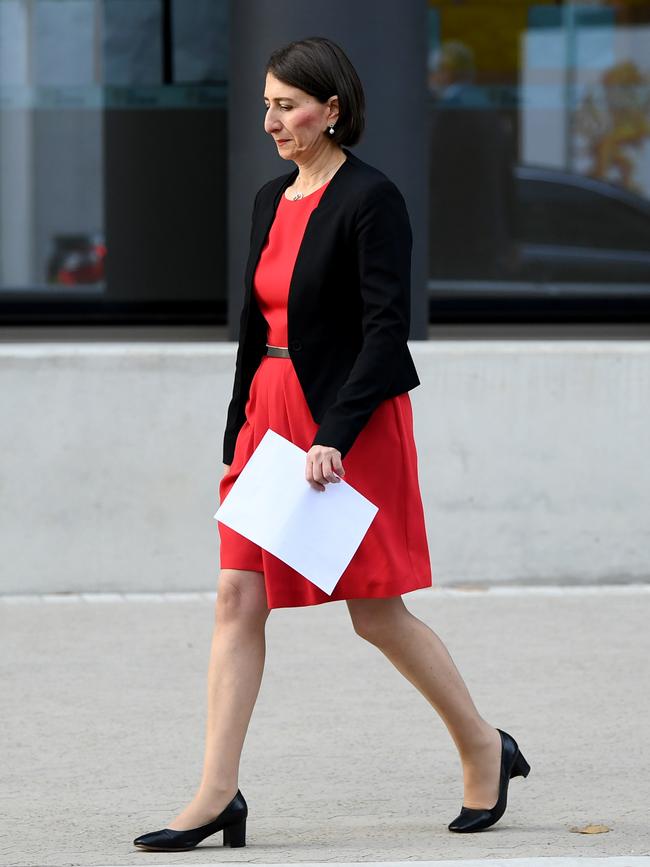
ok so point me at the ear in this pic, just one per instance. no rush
(333, 102)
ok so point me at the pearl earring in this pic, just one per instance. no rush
(331, 130)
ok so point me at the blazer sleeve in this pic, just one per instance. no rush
(384, 243)
(235, 414)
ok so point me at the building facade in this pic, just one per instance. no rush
(132, 143)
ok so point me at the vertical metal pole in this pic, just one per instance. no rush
(167, 42)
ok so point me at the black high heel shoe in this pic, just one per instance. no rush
(231, 820)
(513, 764)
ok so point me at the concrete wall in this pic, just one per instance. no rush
(533, 460)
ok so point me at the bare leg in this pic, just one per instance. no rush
(234, 678)
(417, 652)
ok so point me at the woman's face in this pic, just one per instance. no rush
(296, 120)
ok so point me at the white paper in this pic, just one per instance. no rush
(272, 504)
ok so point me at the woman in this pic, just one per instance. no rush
(323, 360)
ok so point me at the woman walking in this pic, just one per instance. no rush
(323, 360)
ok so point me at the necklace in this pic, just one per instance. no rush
(322, 178)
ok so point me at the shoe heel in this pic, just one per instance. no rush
(235, 835)
(520, 767)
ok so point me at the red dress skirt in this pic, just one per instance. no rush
(393, 557)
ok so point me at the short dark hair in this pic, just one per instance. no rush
(321, 68)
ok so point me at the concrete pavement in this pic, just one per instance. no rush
(103, 711)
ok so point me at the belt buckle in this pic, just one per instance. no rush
(277, 351)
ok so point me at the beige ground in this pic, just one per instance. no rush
(103, 717)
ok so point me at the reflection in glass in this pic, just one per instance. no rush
(540, 147)
(113, 153)
(471, 173)
(51, 209)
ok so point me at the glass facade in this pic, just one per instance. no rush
(112, 159)
(539, 148)
(113, 155)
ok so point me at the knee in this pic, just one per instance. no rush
(241, 598)
(376, 620)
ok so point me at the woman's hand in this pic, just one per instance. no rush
(323, 464)
(227, 469)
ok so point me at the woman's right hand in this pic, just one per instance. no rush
(227, 469)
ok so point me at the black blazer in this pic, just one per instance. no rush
(348, 313)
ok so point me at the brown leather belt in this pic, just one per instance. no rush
(278, 351)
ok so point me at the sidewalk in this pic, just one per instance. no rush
(104, 712)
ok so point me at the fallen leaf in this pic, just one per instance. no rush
(591, 829)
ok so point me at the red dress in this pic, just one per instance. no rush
(393, 557)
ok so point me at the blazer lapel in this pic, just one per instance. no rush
(317, 218)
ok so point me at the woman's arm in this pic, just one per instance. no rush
(384, 243)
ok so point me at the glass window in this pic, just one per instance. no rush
(112, 159)
(539, 146)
